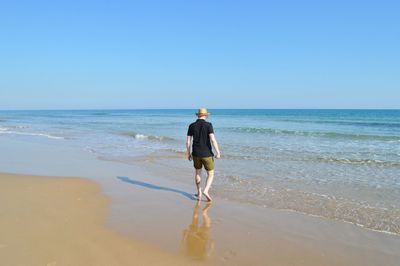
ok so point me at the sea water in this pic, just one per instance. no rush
(337, 164)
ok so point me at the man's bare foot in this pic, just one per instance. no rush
(207, 196)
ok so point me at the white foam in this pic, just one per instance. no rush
(4, 131)
(141, 136)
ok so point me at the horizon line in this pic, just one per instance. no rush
(150, 108)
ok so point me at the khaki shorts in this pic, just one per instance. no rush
(208, 162)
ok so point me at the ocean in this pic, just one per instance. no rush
(337, 164)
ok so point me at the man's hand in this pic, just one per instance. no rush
(215, 145)
(188, 144)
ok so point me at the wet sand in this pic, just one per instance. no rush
(60, 221)
(228, 233)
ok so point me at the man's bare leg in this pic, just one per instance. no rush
(197, 179)
(210, 178)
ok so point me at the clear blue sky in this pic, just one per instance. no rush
(185, 54)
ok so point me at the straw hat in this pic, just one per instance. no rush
(202, 112)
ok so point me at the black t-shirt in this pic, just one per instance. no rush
(201, 130)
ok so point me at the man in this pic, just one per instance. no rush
(202, 134)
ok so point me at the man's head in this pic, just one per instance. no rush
(202, 113)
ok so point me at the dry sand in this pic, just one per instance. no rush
(60, 221)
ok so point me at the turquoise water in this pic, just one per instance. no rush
(338, 164)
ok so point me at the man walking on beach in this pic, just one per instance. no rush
(202, 134)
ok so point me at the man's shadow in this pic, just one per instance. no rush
(196, 240)
(156, 187)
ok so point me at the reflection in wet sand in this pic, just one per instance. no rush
(196, 242)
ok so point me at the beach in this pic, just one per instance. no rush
(60, 221)
(66, 204)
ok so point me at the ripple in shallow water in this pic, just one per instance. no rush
(371, 215)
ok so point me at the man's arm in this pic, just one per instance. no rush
(188, 144)
(215, 145)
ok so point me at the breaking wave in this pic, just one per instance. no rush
(140, 136)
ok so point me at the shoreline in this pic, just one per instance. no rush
(152, 210)
(151, 159)
(319, 166)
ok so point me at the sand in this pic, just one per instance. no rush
(231, 233)
(60, 221)
(128, 215)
